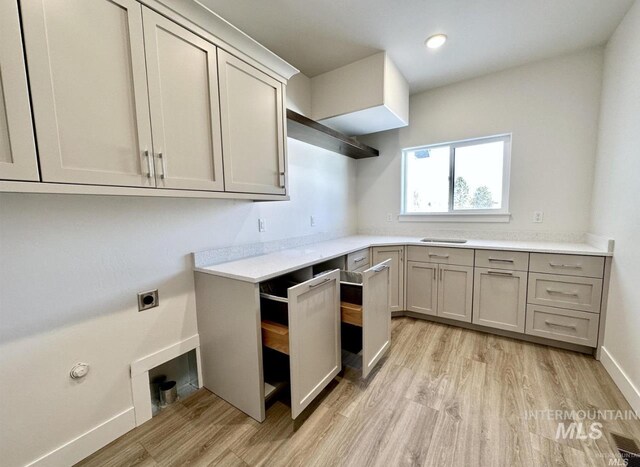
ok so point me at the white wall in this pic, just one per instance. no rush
(616, 213)
(71, 266)
(299, 94)
(551, 107)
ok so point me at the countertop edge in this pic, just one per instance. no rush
(391, 242)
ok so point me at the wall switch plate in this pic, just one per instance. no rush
(389, 217)
(148, 300)
(538, 217)
(313, 221)
(261, 225)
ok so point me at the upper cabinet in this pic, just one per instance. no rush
(123, 96)
(17, 146)
(253, 130)
(185, 111)
(89, 87)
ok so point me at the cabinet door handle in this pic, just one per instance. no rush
(569, 326)
(162, 158)
(434, 274)
(313, 286)
(282, 179)
(565, 266)
(357, 260)
(435, 255)
(149, 167)
(500, 260)
(562, 292)
(440, 274)
(500, 273)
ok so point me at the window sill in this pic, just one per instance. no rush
(485, 217)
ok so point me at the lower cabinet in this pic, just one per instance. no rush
(422, 288)
(440, 290)
(455, 292)
(366, 321)
(396, 273)
(309, 315)
(499, 299)
(290, 333)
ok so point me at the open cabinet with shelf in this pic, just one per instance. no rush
(287, 335)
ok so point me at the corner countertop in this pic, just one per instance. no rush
(264, 267)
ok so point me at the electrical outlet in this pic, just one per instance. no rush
(261, 225)
(389, 217)
(148, 300)
(538, 217)
(312, 221)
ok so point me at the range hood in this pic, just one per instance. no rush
(364, 97)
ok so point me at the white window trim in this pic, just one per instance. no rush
(466, 215)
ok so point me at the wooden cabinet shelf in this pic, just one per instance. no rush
(275, 336)
(351, 313)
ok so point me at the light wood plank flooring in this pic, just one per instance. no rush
(442, 396)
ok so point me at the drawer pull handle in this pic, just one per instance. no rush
(435, 255)
(381, 268)
(500, 273)
(569, 326)
(282, 180)
(357, 260)
(500, 260)
(313, 286)
(565, 266)
(562, 292)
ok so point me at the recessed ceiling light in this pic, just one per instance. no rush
(436, 41)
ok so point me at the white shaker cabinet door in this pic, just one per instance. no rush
(17, 146)
(499, 299)
(396, 273)
(314, 337)
(253, 130)
(455, 292)
(422, 288)
(376, 319)
(89, 90)
(185, 111)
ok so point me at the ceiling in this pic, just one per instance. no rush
(484, 35)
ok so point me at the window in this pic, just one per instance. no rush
(464, 177)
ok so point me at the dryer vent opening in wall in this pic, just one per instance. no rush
(182, 370)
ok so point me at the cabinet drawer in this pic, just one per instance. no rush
(442, 255)
(576, 327)
(358, 259)
(575, 293)
(571, 265)
(496, 259)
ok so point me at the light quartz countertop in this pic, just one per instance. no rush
(264, 267)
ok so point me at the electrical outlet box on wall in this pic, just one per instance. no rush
(366, 96)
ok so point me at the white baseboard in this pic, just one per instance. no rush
(626, 386)
(88, 443)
